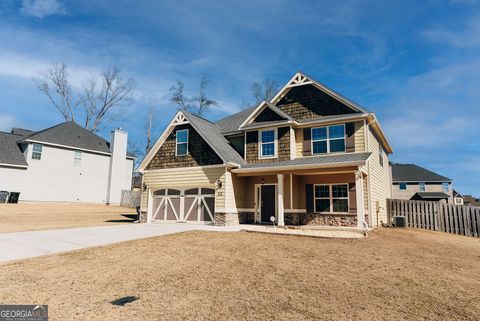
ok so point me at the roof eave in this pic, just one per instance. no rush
(298, 167)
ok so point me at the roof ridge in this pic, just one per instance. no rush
(51, 127)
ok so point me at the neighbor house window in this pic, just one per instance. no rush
(402, 186)
(37, 151)
(77, 157)
(182, 142)
(329, 139)
(446, 187)
(267, 143)
(421, 186)
(331, 198)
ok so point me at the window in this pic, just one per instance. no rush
(329, 139)
(421, 187)
(445, 187)
(402, 186)
(331, 198)
(37, 151)
(77, 157)
(380, 154)
(182, 142)
(267, 143)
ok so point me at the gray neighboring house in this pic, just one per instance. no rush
(412, 182)
(65, 163)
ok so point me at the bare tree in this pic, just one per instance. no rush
(265, 90)
(54, 84)
(199, 104)
(97, 100)
(149, 122)
(114, 92)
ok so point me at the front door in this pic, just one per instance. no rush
(267, 205)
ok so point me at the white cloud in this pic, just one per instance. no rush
(467, 37)
(6, 122)
(42, 8)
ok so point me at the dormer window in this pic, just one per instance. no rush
(37, 151)
(182, 142)
(330, 139)
(268, 142)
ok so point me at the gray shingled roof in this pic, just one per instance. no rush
(212, 135)
(10, 152)
(314, 160)
(414, 173)
(72, 135)
(432, 195)
(22, 131)
(232, 122)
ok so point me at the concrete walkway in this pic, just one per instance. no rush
(22, 245)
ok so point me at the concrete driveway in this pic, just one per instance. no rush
(22, 245)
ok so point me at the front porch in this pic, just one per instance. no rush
(328, 197)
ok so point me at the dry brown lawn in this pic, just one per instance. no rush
(44, 216)
(392, 275)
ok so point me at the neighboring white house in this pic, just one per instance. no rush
(65, 163)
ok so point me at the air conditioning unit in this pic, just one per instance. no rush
(400, 221)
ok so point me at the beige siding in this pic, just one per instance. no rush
(186, 177)
(359, 137)
(413, 188)
(299, 142)
(380, 181)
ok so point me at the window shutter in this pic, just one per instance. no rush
(307, 142)
(352, 198)
(350, 139)
(309, 195)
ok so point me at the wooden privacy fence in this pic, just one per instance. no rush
(131, 198)
(437, 216)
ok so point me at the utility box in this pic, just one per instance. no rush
(400, 221)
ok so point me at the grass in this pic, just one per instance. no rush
(391, 275)
(44, 216)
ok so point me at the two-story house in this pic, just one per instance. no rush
(65, 163)
(307, 156)
(412, 182)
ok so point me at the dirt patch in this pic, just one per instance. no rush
(391, 275)
(44, 216)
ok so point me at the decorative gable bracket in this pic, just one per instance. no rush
(298, 80)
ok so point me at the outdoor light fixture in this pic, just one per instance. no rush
(263, 181)
(218, 184)
(144, 187)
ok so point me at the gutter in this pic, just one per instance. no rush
(297, 167)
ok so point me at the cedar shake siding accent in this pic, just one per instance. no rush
(267, 115)
(199, 152)
(283, 146)
(305, 102)
(238, 143)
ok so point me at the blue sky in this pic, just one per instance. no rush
(414, 63)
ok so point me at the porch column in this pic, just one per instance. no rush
(281, 210)
(361, 224)
(149, 206)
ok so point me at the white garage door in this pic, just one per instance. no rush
(184, 205)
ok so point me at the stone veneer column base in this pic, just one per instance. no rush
(331, 220)
(224, 219)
